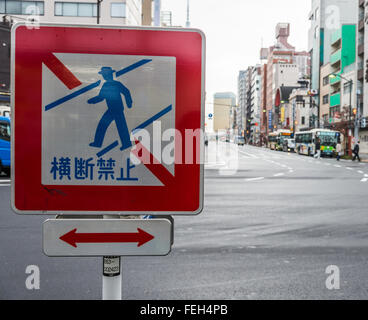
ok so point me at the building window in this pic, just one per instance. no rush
(347, 87)
(75, 9)
(326, 99)
(22, 7)
(326, 81)
(118, 10)
(303, 120)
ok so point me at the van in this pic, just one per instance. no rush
(4, 111)
(5, 145)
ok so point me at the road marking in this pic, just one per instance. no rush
(279, 174)
(4, 185)
(348, 168)
(291, 171)
(361, 172)
(364, 180)
(249, 154)
(5, 181)
(337, 166)
(254, 179)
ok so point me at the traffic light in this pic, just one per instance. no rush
(355, 111)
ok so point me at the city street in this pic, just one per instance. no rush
(267, 231)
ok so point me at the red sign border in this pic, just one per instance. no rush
(29, 196)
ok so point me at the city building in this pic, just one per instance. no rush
(326, 20)
(285, 66)
(324, 95)
(223, 105)
(109, 12)
(147, 12)
(255, 105)
(301, 111)
(242, 101)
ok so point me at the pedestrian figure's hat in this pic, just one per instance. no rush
(106, 70)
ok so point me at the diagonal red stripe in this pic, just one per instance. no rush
(61, 71)
(153, 164)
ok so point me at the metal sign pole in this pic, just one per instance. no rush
(111, 275)
(112, 278)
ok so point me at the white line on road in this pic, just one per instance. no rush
(5, 181)
(248, 154)
(364, 180)
(348, 168)
(254, 179)
(4, 185)
(360, 171)
(337, 166)
(279, 174)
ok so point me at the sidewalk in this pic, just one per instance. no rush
(364, 157)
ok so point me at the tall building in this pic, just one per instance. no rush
(110, 12)
(242, 101)
(255, 105)
(147, 12)
(285, 66)
(326, 19)
(223, 105)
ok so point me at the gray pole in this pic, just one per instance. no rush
(98, 10)
(157, 13)
(357, 119)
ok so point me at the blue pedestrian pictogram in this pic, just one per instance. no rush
(116, 98)
(112, 92)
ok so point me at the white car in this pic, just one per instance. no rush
(289, 145)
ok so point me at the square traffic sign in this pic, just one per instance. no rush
(107, 120)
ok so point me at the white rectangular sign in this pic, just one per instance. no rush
(107, 237)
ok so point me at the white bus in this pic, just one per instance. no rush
(305, 141)
(276, 139)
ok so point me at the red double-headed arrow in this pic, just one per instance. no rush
(141, 237)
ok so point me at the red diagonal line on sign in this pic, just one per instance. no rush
(152, 164)
(61, 71)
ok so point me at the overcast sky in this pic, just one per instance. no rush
(235, 30)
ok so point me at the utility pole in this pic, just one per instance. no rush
(157, 13)
(98, 10)
(357, 118)
(187, 24)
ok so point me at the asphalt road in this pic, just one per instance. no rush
(272, 223)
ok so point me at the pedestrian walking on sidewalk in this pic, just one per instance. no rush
(356, 152)
(318, 149)
(338, 151)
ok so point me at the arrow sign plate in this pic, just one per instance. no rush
(107, 237)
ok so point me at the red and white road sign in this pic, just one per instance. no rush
(107, 120)
(107, 237)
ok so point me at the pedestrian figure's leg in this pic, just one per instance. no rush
(101, 129)
(123, 132)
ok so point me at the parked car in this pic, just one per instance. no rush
(289, 145)
(240, 141)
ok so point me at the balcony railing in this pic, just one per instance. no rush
(335, 57)
(336, 36)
